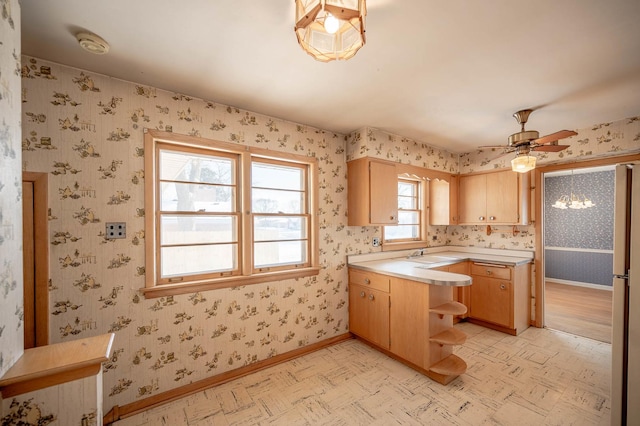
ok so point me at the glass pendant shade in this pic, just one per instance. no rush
(523, 163)
(316, 39)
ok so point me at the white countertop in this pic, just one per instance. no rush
(414, 271)
(418, 268)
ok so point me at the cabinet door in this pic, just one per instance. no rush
(358, 312)
(492, 300)
(443, 201)
(408, 320)
(383, 189)
(472, 206)
(502, 197)
(369, 314)
(453, 200)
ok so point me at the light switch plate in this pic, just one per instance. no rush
(115, 230)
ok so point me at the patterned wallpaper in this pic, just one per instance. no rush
(86, 131)
(601, 140)
(590, 228)
(11, 311)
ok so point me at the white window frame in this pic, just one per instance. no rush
(419, 209)
(245, 273)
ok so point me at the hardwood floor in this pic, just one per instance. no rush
(540, 377)
(578, 310)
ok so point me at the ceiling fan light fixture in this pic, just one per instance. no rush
(92, 43)
(523, 163)
(316, 21)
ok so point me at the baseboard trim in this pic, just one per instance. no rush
(117, 413)
(580, 284)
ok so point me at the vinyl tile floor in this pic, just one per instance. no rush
(541, 377)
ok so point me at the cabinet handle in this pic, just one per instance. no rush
(488, 272)
(503, 287)
(371, 297)
(481, 218)
(492, 218)
(362, 294)
(392, 217)
(367, 281)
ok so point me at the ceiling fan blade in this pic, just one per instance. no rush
(550, 148)
(554, 137)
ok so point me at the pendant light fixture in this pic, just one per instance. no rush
(573, 201)
(523, 161)
(330, 30)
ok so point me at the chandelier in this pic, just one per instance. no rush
(330, 29)
(573, 201)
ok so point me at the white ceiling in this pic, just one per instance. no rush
(447, 73)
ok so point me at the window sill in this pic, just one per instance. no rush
(192, 287)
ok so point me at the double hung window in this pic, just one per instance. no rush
(409, 227)
(219, 214)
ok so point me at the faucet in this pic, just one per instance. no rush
(416, 253)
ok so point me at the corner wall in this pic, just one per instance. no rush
(11, 304)
(86, 131)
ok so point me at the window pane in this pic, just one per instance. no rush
(266, 175)
(191, 167)
(197, 259)
(269, 228)
(407, 203)
(408, 217)
(401, 232)
(407, 189)
(279, 253)
(276, 201)
(189, 197)
(197, 229)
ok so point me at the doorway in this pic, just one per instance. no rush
(578, 247)
(35, 242)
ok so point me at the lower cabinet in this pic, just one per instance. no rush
(500, 296)
(409, 320)
(369, 314)
(369, 306)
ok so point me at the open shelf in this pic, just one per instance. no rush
(452, 365)
(449, 308)
(451, 336)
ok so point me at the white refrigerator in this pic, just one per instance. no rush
(625, 346)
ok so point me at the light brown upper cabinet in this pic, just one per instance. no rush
(443, 201)
(372, 187)
(498, 198)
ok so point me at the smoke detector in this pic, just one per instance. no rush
(92, 43)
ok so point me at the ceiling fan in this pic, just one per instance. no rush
(525, 141)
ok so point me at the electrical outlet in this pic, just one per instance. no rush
(375, 241)
(115, 230)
